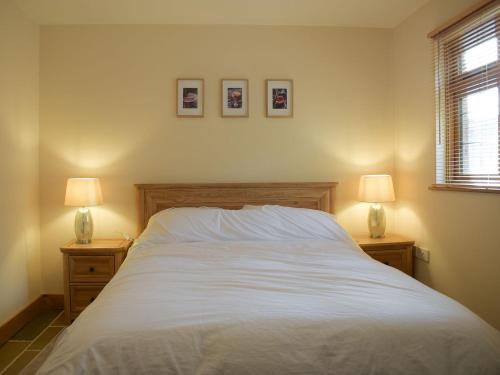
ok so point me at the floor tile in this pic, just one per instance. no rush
(37, 325)
(9, 351)
(45, 338)
(60, 321)
(21, 362)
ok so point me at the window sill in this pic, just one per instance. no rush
(465, 188)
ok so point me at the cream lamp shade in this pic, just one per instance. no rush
(376, 188)
(83, 192)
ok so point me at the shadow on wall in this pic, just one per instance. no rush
(19, 223)
(25, 244)
(408, 214)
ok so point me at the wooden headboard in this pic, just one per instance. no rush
(153, 198)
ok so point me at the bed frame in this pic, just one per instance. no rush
(152, 198)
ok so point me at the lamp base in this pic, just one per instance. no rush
(84, 226)
(376, 221)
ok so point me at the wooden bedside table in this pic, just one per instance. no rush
(87, 269)
(393, 250)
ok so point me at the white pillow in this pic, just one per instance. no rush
(268, 223)
(253, 207)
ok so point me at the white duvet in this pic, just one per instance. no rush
(310, 306)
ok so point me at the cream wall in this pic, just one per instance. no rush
(19, 214)
(460, 229)
(364, 103)
(108, 110)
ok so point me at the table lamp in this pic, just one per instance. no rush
(82, 193)
(376, 189)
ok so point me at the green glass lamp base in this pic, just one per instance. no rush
(376, 221)
(84, 226)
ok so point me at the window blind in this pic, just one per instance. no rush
(467, 77)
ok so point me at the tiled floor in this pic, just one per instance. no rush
(26, 344)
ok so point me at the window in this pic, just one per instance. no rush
(467, 100)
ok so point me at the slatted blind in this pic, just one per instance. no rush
(467, 75)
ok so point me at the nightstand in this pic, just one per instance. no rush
(87, 269)
(393, 250)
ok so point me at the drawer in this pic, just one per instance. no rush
(91, 268)
(83, 295)
(394, 258)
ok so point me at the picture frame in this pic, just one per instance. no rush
(234, 100)
(279, 98)
(190, 97)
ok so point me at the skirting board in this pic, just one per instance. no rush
(43, 302)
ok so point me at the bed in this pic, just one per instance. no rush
(264, 281)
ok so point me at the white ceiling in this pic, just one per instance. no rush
(349, 13)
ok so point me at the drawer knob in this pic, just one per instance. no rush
(91, 269)
(91, 299)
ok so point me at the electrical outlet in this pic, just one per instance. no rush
(422, 254)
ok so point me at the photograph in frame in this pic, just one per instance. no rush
(234, 97)
(279, 98)
(190, 95)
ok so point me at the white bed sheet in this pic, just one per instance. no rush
(271, 307)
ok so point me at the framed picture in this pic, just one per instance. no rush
(235, 98)
(190, 97)
(279, 97)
